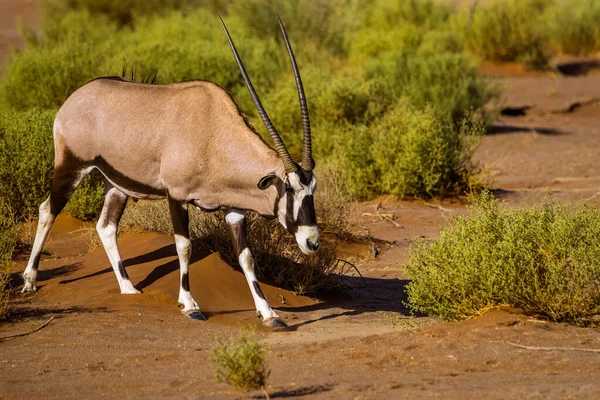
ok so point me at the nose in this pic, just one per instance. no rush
(312, 246)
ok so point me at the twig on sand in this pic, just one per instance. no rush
(30, 332)
(438, 207)
(386, 216)
(266, 393)
(553, 348)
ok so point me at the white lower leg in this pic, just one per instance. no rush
(108, 236)
(184, 252)
(44, 224)
(262, 306)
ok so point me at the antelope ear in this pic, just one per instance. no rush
(267, 181)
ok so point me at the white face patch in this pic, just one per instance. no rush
(301, 224)
(305, 234)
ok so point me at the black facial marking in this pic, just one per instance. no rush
(259, 292)
(306, 213)
(185, 282)
(122, 270)
(305, 176)
(291, 225)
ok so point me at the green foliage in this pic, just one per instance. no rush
(86, 202)
(241, 361)
(26, 158)
(122, 12)
(575, 26)
(8, 240)
(356, 60)
(445, 81)
(50, 69)
(508, 30)
(542, 259)
(408, 152)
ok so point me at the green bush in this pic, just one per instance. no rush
(69, 54)
(542, 259)
(446, 81)
(575, 26)
(241, 361)
(26, 159)
(122, 12)
(511, 30)
(408, 152)
(8, 240)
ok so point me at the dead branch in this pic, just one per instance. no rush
(553, 348)
(438, 207)
(30, 332)
(383, 216)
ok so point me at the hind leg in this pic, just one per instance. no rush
(64, 184)
(108, 223)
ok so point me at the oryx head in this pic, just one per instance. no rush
(295, 205)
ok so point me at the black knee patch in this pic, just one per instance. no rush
(258, 291)
(185, 282)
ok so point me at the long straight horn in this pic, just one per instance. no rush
(288, 162)
(307, 161)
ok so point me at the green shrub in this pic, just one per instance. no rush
(511, 30)
(409, 152)
(70, 53)
(241, 361)
(122, 12)
(446, 81)
(87, 201)
(542, 259)
(8, 240)
(26, 159)
(575, 26)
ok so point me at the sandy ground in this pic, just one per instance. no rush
(360, 346)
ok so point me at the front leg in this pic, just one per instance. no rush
(180, 219)
(236, 220)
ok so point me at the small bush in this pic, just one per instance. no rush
(8, 240)
(408, 152)
(26, 159)
(122, 12)
(511, 30)
(50, 69)
(445, 81)
(241, 362)
(542, 259)
(87, 201)
(575, 26)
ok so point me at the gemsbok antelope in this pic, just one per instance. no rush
(189, 143)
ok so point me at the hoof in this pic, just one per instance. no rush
(131, 291)
(194, 314)
(275, 324)
(29, 288)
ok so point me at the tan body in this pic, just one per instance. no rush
(189, 143)
(186, 140)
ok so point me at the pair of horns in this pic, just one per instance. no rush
(290, 166)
